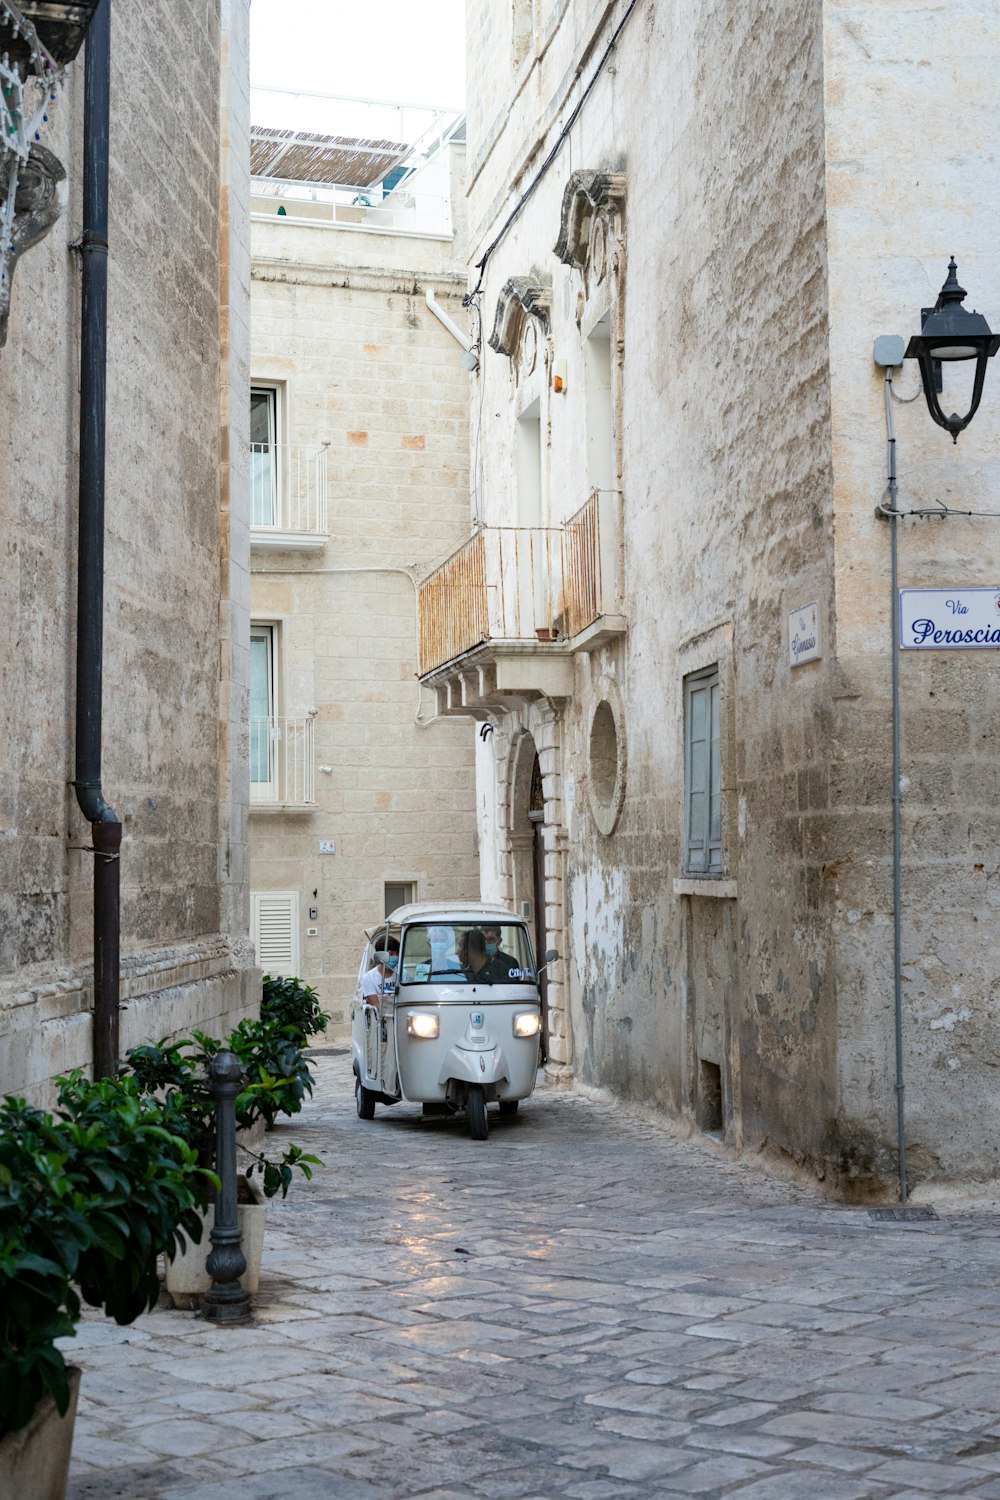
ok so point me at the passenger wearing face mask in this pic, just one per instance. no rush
(444, 958)
(381, 980)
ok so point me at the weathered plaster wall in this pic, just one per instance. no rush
(340, 320)
(186, 958)
(900, 202)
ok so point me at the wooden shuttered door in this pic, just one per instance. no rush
(275, 917)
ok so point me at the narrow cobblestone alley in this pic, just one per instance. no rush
(584, 1306)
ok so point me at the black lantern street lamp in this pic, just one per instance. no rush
(949, 333)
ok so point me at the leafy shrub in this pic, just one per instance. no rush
(293, 1007)
(277, 1080)
(88, 1199)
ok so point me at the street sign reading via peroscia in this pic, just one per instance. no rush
(803, 635)
(949, 619)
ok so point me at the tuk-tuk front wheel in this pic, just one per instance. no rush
(479, 1125)
(364, 1099)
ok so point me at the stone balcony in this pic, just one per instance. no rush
(502, 618)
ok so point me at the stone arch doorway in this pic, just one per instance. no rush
(535, 872)
(527, 848)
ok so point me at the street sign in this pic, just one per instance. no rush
(803, 636)
(949, 619)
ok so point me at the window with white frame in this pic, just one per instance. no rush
(282, 746)
(263, 456)
(275, 928)
(702, 774)
(263, 769)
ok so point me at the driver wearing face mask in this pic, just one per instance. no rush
(381, 980)
(500, 963)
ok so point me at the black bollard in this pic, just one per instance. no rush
(226, 1301)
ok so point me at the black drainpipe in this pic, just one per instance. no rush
(107, 830)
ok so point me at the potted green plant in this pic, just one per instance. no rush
(278, 1078)
(89, 1198)
(292, 1006)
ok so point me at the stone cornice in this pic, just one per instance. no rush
(521, 297)
(356, 278)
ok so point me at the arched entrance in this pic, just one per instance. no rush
(527, 847)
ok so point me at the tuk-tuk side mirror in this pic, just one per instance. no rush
(551, 957)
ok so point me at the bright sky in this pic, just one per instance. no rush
(407, 50)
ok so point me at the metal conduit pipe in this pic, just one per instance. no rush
(106, 827)
(892, 512)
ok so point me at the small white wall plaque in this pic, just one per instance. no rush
(949, 619)
(326, 846)
(803, 636)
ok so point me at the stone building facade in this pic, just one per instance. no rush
(363, 799)
(176, 559)
(695, 221)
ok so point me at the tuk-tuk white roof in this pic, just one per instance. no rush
(452, 911)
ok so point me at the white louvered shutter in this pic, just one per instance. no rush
(275, 917)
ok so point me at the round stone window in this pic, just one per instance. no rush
(606, 764)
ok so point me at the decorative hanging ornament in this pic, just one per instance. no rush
(30, 79)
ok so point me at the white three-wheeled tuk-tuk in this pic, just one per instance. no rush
(447, 1012)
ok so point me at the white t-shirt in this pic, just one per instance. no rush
(374, 985)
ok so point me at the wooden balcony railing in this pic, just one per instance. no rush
(582, 568)
(516, 583)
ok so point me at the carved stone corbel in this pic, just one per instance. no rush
(38, 202)
(586, 195)
(522, 299)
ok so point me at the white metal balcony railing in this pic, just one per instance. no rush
(288, 484)
(338, 206)
(283, 761)
(515, 583)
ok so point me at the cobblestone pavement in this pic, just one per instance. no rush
(583, 1306)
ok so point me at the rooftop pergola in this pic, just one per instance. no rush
(299, 156)
(375, 139)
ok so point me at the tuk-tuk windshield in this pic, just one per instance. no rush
(467, 953)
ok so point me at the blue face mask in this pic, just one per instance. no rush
(491, 949)
(392, 960)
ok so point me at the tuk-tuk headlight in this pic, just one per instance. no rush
(527, 1024)
(422, 1024)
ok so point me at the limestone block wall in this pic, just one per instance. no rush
(725, 513)
(898, 208)
(172, 634)
(765, 152)
(342, 329)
